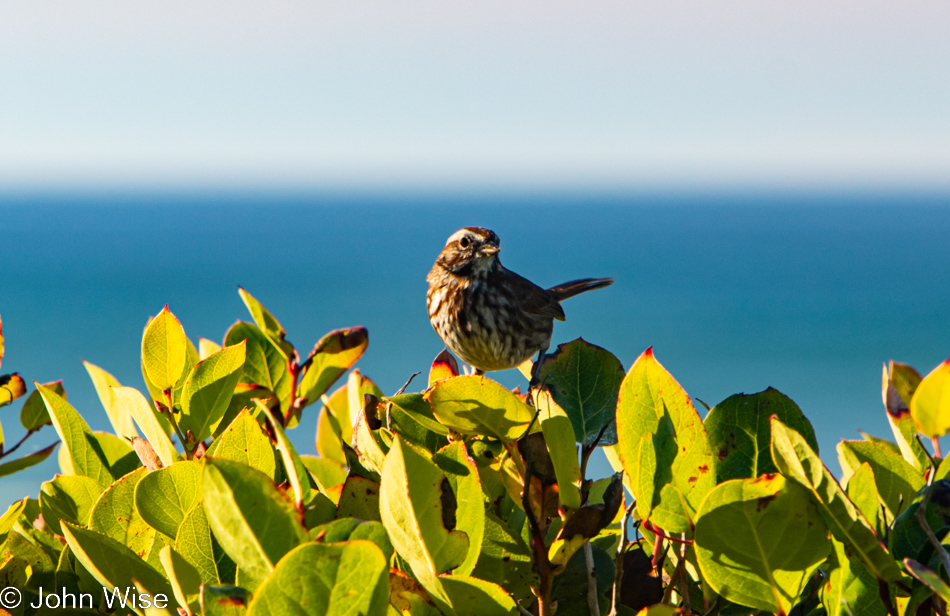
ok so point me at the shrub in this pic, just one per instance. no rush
(465, 498)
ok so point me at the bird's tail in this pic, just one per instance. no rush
(574, 287)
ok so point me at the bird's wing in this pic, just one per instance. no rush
(534, 299)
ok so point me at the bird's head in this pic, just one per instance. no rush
(470, 251)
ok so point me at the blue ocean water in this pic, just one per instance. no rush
(805, 292)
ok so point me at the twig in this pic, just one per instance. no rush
(586, 451)
(921, 515)
(171, 418)
(936, 443)
(618, 561)
(28, 434)
(542, 563)
(389, 406)
(523, 611)
(592, 601)
(668, 594)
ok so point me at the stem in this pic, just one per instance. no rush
(684, 586)
(28, 434)
(618, 561)
(921, 516)
(659, 533)
(541, 562)
(171, 418)
(936, 443)
(592, 601)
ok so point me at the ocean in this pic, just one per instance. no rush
(807, 292)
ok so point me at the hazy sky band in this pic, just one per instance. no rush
(497, 93)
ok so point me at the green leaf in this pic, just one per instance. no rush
(849, 589)
(33, 414)
(907, 538)
(119, 454)
(207, 347)
(119, 417)
(267, 322)
(81, 447)
(411, 507)
(265, 364)
(133, 403)
(293, 466)
(478, 405)
(68, 498)
(208, 390)
(164, 350)
(255, 523)
(330, 358)
(115, 515)
(164, 496)
(585, 381)
(505, 559)
(929, 578)
(783, 540)
(462, 476)
(326, 580)
(327, 473)
(740, 432)
(197, 545)
(797, 461)
(184, 578)
(111, 563)
(339, 414)
(14, 466)
(899, 382)
(652, 402)
(471, 596)
(224, 601)
(348, 529)
(897, 481)
(559, 438)
(359, 499)
(930, 406)
(862, 490)
(415, 407)
(245, 441)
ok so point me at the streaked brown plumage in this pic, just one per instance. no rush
(491, 317)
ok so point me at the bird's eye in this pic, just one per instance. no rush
(464, 242)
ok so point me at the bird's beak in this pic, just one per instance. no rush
(488, 250)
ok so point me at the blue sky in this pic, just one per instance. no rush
(612, 94)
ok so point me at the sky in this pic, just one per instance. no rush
(425, 93)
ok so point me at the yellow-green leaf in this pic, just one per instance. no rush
(412, 512)
(164, 350)
(120, 419)
(479, 405)
(797, 461)
(930, 406)
(255, 523)
(652, 402)
(326, 579)
(330, 358)
(81, 448)
(164, 496)
(208, 390)
(758, 541)
(134, 404)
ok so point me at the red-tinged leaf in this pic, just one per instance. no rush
(11, 388)
(331, 357)
(444, 366)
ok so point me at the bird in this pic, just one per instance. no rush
(487, 315)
